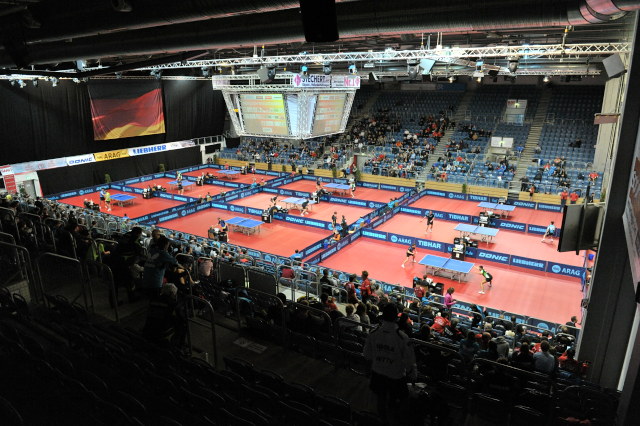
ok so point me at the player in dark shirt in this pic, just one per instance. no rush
(429, 216)
(411, 253)
(334, 220)
(305, 207)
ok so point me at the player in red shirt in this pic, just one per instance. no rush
(574, 197)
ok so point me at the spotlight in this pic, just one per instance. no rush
(157, 73)
(479, 79)
(267, 74)
(353, 69)
(13, 82)
(413, 68)
(326, 68)
(118, 75)
(546, 79)
(22, 84)
(76, 80)
(452, 79)
(34, 82)
(54, 81)
(206, 71)
(513, 65)
(304, 70)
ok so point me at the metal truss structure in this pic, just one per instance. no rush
(456, 55)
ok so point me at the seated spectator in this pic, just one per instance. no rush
(522, 358)
(469, 347)
(328, 302)
(351, 315)
(440, 322)
(491, 353)
(569, 366)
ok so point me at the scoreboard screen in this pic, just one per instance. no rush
(264, 113)
(329, 111)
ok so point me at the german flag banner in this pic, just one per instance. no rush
(126, 108)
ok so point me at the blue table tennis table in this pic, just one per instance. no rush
(339, 187)
(296, 203)
(439, 264)
(123, 199)
(185, 184)
(485, 234)
(244, 225)
(229, 174)
(504, 209)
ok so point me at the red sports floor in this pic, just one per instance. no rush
(515, 290)
(248, 178)
(189, 191)
(510, 242)
(140, 206)
(361, 193)
(520, 214)
(278, 237)
(322, 211)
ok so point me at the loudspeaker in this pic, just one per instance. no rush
(319, 20)
(613, 66)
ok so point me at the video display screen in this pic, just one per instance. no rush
(264, 113)
(329, 111)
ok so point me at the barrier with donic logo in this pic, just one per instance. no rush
(430, 245)
(165, 195)
(525, 204)
(369, 185)
(469, 251)
(511, 226)
(491, 256)
(549, 207)
(568, 270)
(525, 262)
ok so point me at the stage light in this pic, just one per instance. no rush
(206, 71)
(22, 84)
(76, 80)
(34, 82)
(413, 68)
(54, 81)
(479, 79)
(157, 73)
(452, 79)
(304, 70)
(12, 82)
(326, 68)
(353, 69)
(118, 75)
(546, 79)
(513, 65)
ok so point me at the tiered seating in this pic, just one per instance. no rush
(489, 102)
(518, 132)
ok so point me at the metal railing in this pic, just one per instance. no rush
(62, 275)
(20, 258)
(196, 302)
(101, 273)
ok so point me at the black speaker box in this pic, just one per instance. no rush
(613, 66)
(319, 20)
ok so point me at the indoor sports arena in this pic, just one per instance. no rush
(329, 212)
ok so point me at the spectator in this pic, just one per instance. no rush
(449, 301)
(440, 322)
(328, 303)
(392, 363)
(350, 286)
(574, 197)
(543, 361)
(361, 311)
(156, 265)
(469, 347)
(569, 365)
(522, 358)
(502, 346)
(351, 315)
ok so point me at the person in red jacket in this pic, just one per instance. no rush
(574, 197)
(365, 287)
(563, 197)
(440, 323)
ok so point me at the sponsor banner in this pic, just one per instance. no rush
(118, 187)
(347, 81)
(389, 187)
(568, 270)
(76, 160)
(525, 262)
(180, 198)
(537, 229)
(311, 80)
(285, 192)
(430, 245)
(406, 189)
(304, 221)
(301, 194)
(473, 197)
(353, 202)
(219, 206)
(251, 210)
(254, 253)
(330, 251)
(141, 219)
(130, 181)
(187, 211)
(469, 252)
(6, 170)
(378, 222)
(168, 217)
(308, 251)
(525, 204)
(272, 174)
(203, 206)
(68, 194)
(412, 210)
(376, 235)
(34, 166)
(164, 195)
(231, 198)
(510, 226)
(491, 256)
(269, 190)
(549, 207)
(369, 185)
(455, 217)
(149, 149)
(456, 196)
(401, 239)
(111, 155)
(237, 209)
(436, 193)
(127, 189)
(158, 175)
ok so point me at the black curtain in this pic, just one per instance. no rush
(66, 178)
(43, 122)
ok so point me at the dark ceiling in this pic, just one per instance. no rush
(53, 34)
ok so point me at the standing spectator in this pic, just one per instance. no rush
(350, 286)
(392, 362)
(543, 361)
(449, 301)
(563, 197)
(156, 265)
(365, 287)
(574, 197)
(532, 190)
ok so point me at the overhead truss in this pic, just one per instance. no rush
(456, 55)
